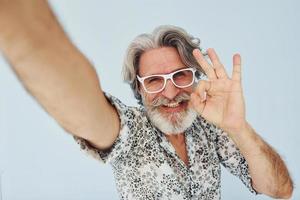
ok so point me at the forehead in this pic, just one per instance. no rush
(159, 61)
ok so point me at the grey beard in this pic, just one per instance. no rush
(183, 121)
(173, 123)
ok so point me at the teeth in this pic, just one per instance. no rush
(172, 105)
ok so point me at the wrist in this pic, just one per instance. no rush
(241, 134)
(238, 128)
(246, 139)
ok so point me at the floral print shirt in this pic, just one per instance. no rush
(146, 166)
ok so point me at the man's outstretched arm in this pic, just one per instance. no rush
(55, 72)
(268, 171)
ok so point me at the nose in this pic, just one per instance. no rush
(170, 91)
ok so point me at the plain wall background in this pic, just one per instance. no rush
(38, 160)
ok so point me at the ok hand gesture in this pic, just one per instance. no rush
(220, 98)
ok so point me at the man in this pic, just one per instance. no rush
(172, 145)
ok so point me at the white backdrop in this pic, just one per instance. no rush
(38, 160)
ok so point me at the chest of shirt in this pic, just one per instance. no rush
(153, 165)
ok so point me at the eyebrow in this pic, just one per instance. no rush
(183, 67)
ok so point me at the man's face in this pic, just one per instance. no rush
(168, 110)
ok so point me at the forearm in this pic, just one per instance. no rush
(53, 70)
(268, 171)
(35, 44)
(27, 26)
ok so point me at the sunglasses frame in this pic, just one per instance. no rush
(167, 77)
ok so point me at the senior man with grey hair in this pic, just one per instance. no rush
(172, 145)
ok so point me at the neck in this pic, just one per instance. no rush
(179, 138)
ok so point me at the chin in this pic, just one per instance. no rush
(172, 123)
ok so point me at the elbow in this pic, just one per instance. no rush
(285, 191)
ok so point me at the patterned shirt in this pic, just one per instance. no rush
(146, 166)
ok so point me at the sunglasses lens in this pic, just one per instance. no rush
(154, 83)
(183, 78)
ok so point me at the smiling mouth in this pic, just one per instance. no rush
(175, 106)
(172, 105)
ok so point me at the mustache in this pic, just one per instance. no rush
(159, 101)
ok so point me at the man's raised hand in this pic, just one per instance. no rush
(220, 98)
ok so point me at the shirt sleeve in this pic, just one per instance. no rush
(228, 153)
(232, 159)
(122, 145)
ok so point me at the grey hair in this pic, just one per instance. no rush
(162, 36)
